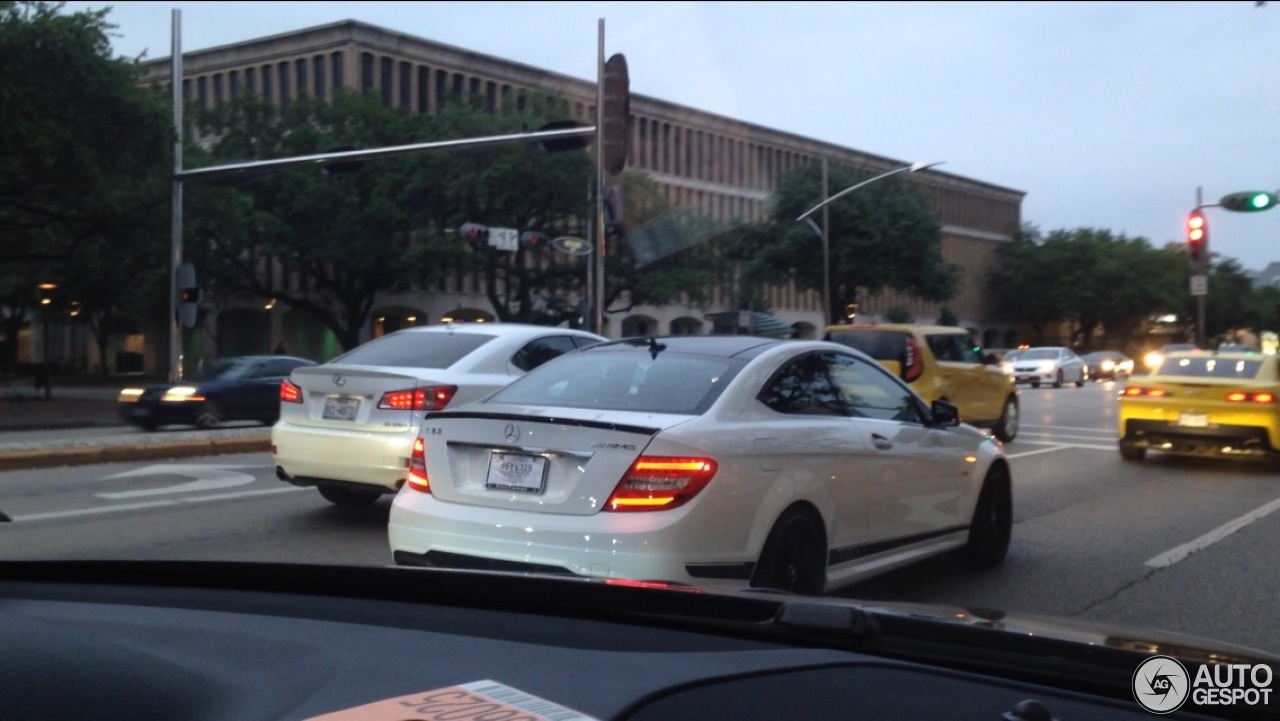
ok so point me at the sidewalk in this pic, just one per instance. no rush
(22, 408)
(23, 412)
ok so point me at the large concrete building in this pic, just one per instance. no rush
(721, 167)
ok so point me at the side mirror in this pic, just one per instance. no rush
(945, 415)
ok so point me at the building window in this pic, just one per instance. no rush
(282, 72)
(424, 89)
(217, 89)
(442, 89)
(302, 85)
(386, 66)
(491, 97)
(455, 90)
(233, 83)
(317, 70)
(251, 80)
(202, 92)
(406, 86)
(336, 61)
(366, 72)
(268, 92)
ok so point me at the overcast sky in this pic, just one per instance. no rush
(1107, 115)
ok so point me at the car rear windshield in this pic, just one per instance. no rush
(879, 344)
(1210, 367)
(409, 349)
(624, 381)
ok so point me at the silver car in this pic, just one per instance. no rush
(1054, 365)
(347, 427)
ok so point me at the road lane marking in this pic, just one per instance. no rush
(1066, 445)
(207, 478)
(1035, 452)
(152, 504)
(1168, 558)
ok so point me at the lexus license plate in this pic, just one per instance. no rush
(340, 409)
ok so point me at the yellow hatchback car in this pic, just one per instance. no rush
(1203, 403)
(941, 363)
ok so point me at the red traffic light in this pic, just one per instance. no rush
(473, 231)
(1197, 238)
(534, 239)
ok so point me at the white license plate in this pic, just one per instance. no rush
(516, 472)
(340, 409)
(1193, 420)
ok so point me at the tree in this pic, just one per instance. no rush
(882, 236)
(75, 128)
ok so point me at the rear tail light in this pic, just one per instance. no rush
(1137, 391)
(290, 392)
(417, 479)
(427, 398)
(1247, 397)
(656, 483)
(912, 363)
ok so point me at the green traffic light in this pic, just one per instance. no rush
(1248, 201)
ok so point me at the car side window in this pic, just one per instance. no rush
(540, 350)
(805, 387)
(943, 347)
(871, 392)
(968, 350)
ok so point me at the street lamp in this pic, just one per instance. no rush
(825, 231)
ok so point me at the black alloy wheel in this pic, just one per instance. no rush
(795, 555)
(992, 526)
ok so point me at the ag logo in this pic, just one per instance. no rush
(1161, 684)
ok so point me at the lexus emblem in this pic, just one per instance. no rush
(512, 433)
(339, 381)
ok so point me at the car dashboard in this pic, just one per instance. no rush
(170, 641)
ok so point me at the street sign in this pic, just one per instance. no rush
(571, 245)
(504, 239)
(1199, 285)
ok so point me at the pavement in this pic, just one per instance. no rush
(92, 431)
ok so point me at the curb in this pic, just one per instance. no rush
(86, 455)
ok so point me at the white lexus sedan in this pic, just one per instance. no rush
(348, 426)
(707, 461)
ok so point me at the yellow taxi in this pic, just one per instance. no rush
(941, 363)
(1203, 403)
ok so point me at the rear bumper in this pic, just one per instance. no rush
(1215, 440)
(307, 456)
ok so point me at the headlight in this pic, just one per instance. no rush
(1045, 366)
(182, 393)
(130, 395)
(1152, 359)
(1007, 367)
(1108, 365)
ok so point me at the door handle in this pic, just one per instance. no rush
(881, 442)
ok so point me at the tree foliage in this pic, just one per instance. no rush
(881, 236)
(84, 158)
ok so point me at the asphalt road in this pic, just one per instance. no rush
(1169, 543)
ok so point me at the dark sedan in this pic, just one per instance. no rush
(240, 388)
(1108, 364)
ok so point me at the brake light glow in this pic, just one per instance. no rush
(290, 392)
(1136, 391)
(417, 478)
(912, 364)
(1247, 397)
(427, 398)
(655, 483)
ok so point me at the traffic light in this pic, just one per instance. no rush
(1249, 201)
(188, 311)
(534, 239)
(474, 231)
(1197, 239)
(614, 133)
